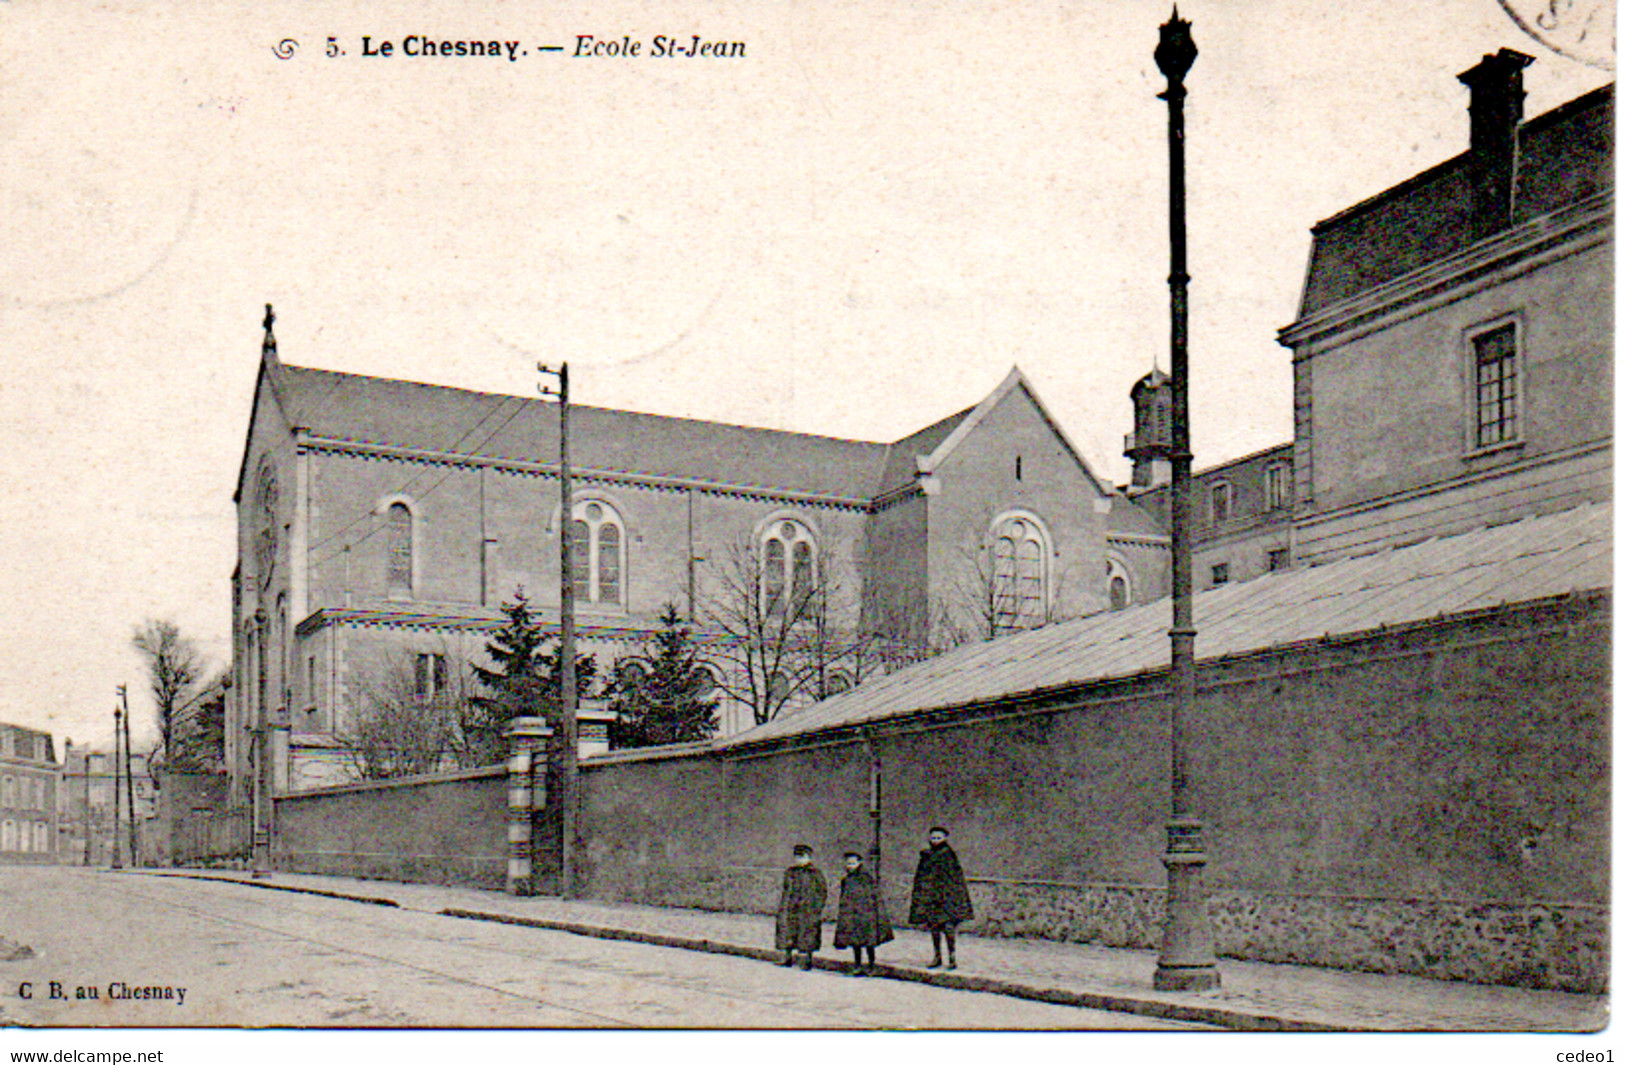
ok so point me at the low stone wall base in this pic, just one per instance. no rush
(1553, 946)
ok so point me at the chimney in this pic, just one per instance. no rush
(1495, 110)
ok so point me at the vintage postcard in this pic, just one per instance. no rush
(757, 517)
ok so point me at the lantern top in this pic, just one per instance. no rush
(1176, 50)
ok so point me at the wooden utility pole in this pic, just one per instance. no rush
(129, 780)
(569, 784)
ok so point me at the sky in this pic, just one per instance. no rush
(855, 229)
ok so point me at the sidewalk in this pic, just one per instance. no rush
(1255, 996)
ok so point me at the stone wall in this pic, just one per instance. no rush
(448, 828)
(1430, 800)
(1548, 945)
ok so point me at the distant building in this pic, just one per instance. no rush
(30, 785)
(87, 807)
(1452, 356)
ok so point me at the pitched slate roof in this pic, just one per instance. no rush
(1522, 561)
(901, 468)
(1564, 156)
(407, 414)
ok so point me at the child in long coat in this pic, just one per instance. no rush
(801, 909)
(860, 921)
(941, 898)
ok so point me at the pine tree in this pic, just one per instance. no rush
(667, 703)
(521, 681)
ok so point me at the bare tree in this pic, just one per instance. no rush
(408, 719)
(173, 668)
(778, 640)
(985, 600)
(898, 633)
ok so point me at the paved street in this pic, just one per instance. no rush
(248, 957)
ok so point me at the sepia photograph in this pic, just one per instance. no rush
(1071, 527)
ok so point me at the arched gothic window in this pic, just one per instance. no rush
(597, 553)
(266, 523)
(1119, 589)
(399, 532)
(1018, 592)
(788, 557)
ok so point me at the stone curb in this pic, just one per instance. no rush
(371, 900)
(1143, 1007)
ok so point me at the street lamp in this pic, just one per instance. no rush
(1187, 962)
(118, 728)
(262, 755)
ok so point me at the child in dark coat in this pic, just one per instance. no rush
(801, 909)
(941, 897)
(860, 921)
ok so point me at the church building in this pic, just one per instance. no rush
(382, 524)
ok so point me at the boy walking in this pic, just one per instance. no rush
(941, 898)
(860, 921)
(801, 909)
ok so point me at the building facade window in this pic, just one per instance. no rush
(266, 522)
(789, 553)
(8, 835)
(429, 677)
(597, 553)
(1278, 559)
(1119, 589)
(42, 838)
(631, 671)
(1221, 573)
(1277, 486)
(8, 792)
(1219, 500)
(1496, 385)
(1019, 586)
(398, 532)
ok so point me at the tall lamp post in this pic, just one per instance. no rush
(262, 755)
(569, 784)
(118, 729)
(1187, 962)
